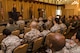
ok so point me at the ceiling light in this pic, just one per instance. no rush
(74, 2)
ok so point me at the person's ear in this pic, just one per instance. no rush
(4, 36)
(77, 40)
(73, 37)
(50, 45)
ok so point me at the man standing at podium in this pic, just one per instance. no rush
(14, 13)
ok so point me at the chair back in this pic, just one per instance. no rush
(2, 28)
(1, 37)
(21, 26)
(58, 31)
(21, 49)
(21, 36)
(64, 31)
(16, 32)
(26, 30)
(37, 44)
(68, 30)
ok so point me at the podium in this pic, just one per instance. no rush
(14, 15)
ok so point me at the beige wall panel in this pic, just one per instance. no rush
(50, 8)
(46, 1)
(0, 10)
(50, 1)
(33, 8)
(63, 11)
(18, 6)
(5, 10)
(25, 10)
(36, 9)
(0, 0)
(69, 12)
(42, 6)
(74, 7)
(47, 11)
(41, 0)
(54, 10)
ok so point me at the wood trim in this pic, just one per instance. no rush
(41, 2)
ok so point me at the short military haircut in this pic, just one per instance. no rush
(57, 20)
(6, 32)
(20, 16)
(33, 24)
(11, 21)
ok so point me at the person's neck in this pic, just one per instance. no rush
(52, 50)
(61, 23)
(55, 23)
(78, 43)
(4, 36)
(33, 28)
(11, 24)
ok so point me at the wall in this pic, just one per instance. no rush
(72, 9)
(8, 5)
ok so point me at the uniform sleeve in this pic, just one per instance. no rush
(52, 29)
(3, 47)
(39, 34)
(26, 38)
(42, 34)
(65, 50)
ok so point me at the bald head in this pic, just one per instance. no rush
(56, 41)
(20, 18)
(40, 19)
(33, 24)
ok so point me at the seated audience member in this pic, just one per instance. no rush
(45, 31)
(33, 33)
(73, 46)
(11, 26)
(78, 20)
(35, 19)
(8, 22)
(68, 21)
(63, 27)
(78, 17)
(56, 26)
(9, 42)
(41, 21)
(48, 23)
(20, 20)
(40, 24)
(75, 22)
(63, 19)
(55, 42)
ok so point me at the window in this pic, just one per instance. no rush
(58, 12)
